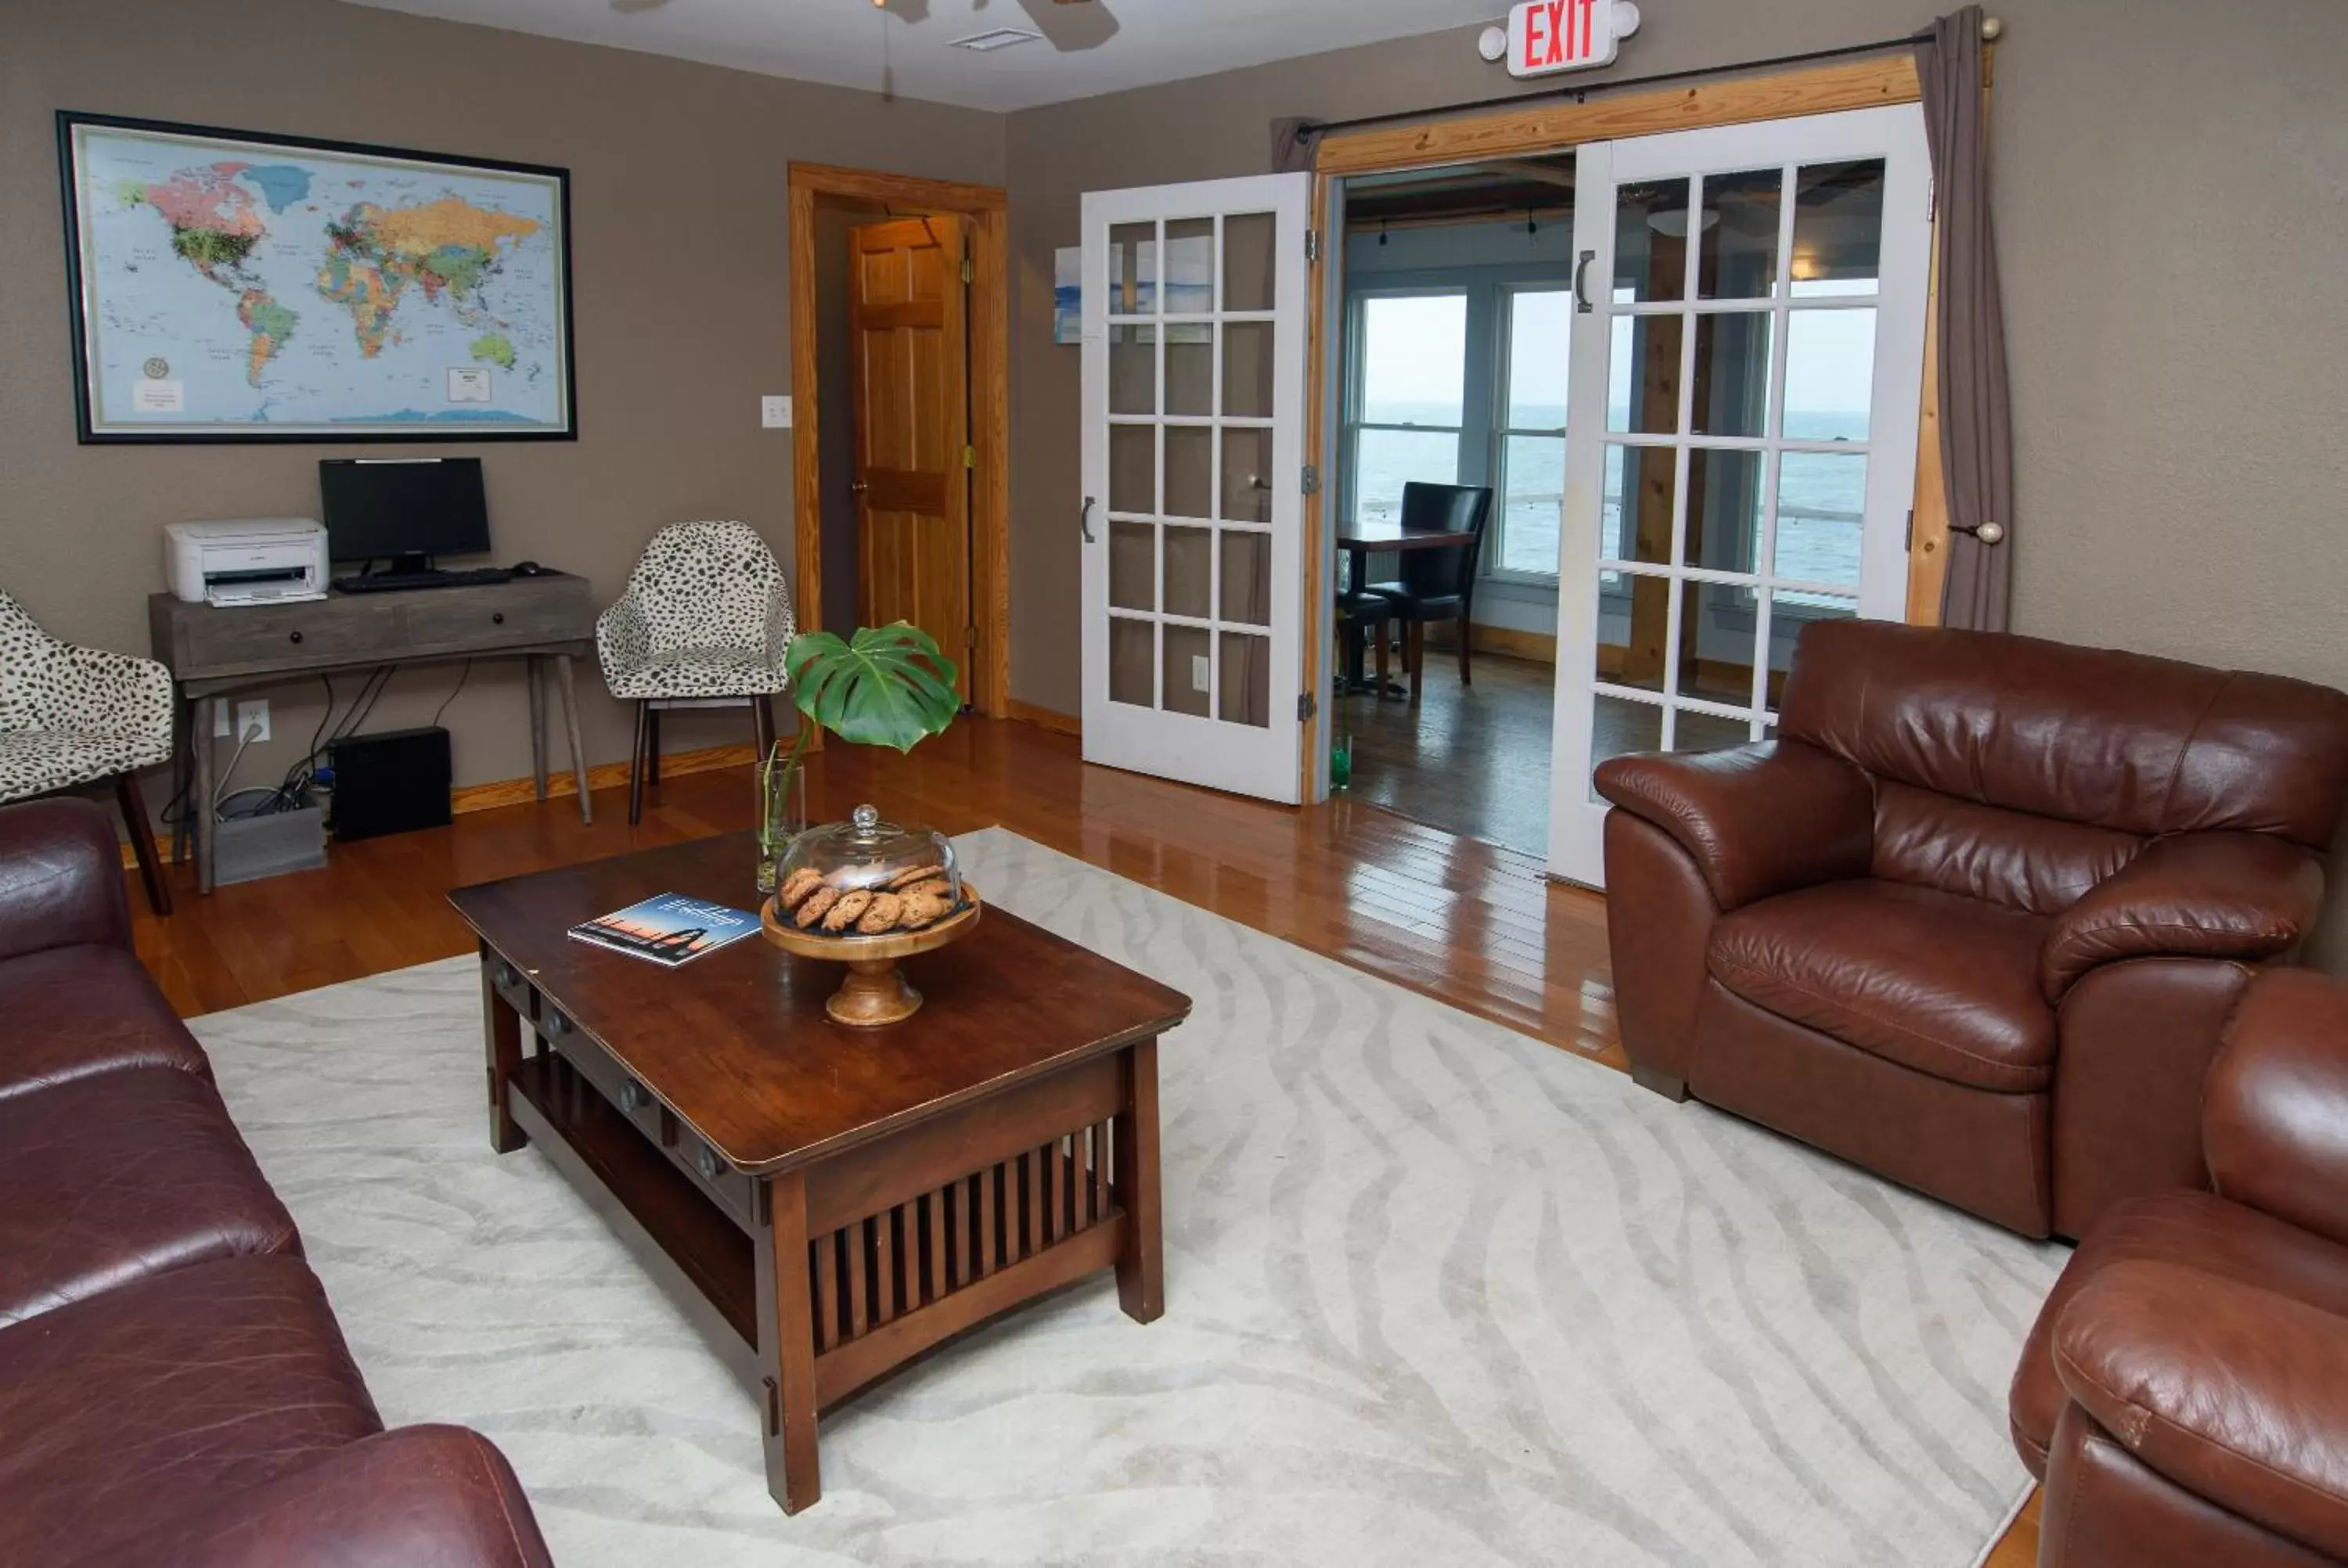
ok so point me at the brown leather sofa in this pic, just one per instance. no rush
(2184, 1394)
(1976, 918)
(173, 1388)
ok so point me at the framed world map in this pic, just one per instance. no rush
(231, 287)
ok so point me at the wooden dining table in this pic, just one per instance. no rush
(1361, 538)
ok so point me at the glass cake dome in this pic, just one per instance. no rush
(867, 877)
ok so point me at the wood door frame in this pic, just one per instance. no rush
(812, 185)
(1552, 126)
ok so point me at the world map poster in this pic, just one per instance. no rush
(233, 287)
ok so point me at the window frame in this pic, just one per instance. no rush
(1504, 353)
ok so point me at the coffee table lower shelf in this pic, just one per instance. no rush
(840, 1271)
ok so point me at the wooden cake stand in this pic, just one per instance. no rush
(875, 991)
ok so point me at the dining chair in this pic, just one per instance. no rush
(1438, 585)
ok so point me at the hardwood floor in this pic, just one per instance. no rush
(1471, 759)
(1466, 921)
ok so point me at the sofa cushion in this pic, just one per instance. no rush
(1943, 984)
(77, 1010)
(152, 1402)
(117, 1175)
(2197, 1230)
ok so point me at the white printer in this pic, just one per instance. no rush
(257, 561)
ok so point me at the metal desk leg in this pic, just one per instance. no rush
(535, 677)
(570, 724)
(182, 761)
(200, 802)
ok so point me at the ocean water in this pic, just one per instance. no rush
(1821, 499)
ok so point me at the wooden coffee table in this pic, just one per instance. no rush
(844, 1198)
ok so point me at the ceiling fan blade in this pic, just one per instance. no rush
(1072, 26)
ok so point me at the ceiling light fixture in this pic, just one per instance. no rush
(986, 43)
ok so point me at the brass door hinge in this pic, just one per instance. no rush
(969, 271)
(970, 457)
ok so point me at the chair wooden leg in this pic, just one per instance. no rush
(762, 725)
(1467, 678)
(652, 746)
(1379, 632)
(636, 764)
(1415, 654)
(142, 843)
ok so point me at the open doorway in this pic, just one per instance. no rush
(899, 309)
(1452, 378)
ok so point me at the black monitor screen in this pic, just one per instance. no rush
(377, 508)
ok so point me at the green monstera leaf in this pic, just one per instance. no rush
(886, 686)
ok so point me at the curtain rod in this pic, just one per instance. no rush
(1991, 29)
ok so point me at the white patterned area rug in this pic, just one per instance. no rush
(1436, 1294)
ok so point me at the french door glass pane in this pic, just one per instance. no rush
(1821, 508)
(1724, 517)
(1189, 266)
(1247, 578)
(1247, 469)
(1246, 696)
(1642, 375)
(1386, 460)
(1189, 672)
(1717, 643)
(1250, 245)
(1642, 483)
(1838, 229)
(1650, 225)
(1732, 374)
(1414, 359)
(1830, 374)
(1133, 566)
(1694, 732)
(1133, 370)
(1133, 269)
(1190, 471)
(1189, 572)
(1132, 661)
(1736, 257)
(1788, 613)
(1247, 369)
(1540, 327)
(1533, 472)
(1620, 726)
(1189, 369)
(1133, 468)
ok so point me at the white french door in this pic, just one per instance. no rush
(1741, 444)
(1192, 515)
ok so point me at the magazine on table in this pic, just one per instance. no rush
(668, 929)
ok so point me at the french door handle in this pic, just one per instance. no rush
(1582, 304)
(1085, 520)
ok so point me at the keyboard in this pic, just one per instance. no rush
(393, 581)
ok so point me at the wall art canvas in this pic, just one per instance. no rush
(236, 287)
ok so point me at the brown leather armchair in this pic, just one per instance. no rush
(1976, 918)
(2184, 1394)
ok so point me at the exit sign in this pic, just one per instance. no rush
(1550, 36)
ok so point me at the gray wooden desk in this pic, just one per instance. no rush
(216, 651)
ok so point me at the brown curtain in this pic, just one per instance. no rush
(1976, 417)
(1293, 143)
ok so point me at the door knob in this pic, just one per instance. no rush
(857, 487)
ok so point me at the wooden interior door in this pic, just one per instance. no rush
(909, 317)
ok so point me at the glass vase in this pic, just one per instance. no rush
(782, 812)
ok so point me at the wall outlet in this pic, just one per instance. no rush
(775, 413)
(1203, 672)
(247, 716)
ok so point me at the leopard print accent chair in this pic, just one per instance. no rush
(75, 716)
(707, 616)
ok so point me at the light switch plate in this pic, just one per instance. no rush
(775, 413)
(1202, 673)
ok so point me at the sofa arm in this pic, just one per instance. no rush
(421, 1497)
(2232, 1391)
(1757, 820)
(61, 878)
(2247, 896)
(2274, 1107)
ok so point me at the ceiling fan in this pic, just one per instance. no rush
(1068, 24)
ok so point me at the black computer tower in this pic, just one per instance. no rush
(389, 783)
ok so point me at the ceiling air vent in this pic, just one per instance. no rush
(995, 38)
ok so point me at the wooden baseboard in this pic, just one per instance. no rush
(1539, 646)
(604, 775)
(1045, 718)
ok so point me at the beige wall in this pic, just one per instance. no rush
(678, 267)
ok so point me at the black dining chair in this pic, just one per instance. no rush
(1438, 585)
(1361, 615)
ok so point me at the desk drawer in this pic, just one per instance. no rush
(261, 637)
(513, 615)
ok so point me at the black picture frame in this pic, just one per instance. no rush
(81, 300)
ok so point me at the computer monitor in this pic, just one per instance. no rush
(408, 510)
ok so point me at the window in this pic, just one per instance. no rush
(1530, 442)
(1409, 397)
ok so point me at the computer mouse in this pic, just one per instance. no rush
(529, 569)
